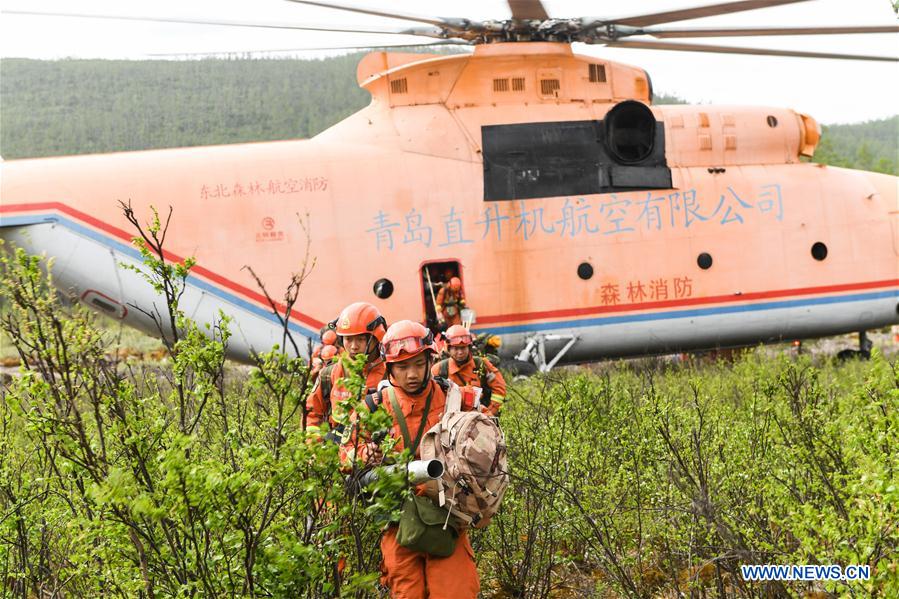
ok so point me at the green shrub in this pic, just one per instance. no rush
(168, 480)
(193, 477)
(663, 479)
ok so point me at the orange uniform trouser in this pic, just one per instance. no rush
(415, 575)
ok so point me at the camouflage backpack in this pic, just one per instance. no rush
(473, 451)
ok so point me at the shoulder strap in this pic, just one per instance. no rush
(326, 380)
(401, 419)
(482, 371)
(326, 385)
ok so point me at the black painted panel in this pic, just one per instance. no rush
(640, 177)
(539, 160)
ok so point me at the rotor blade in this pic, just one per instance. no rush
(430, 32)
(746, 31)
(439, 43)
(650, 45)
(697, 12)
(437, 21)
(527, 10)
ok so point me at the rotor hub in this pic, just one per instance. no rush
(526, 30)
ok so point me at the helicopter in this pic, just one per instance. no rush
(584, 221)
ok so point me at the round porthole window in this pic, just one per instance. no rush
(383, 288)
(704, 261)
(585, 270)
(819, 251)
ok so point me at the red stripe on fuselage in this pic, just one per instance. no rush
(682, 303)
(482, 320)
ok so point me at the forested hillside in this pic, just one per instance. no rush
(871, 146)
(85, 106)
(62, 107)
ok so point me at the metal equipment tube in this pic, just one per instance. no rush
(419, 471)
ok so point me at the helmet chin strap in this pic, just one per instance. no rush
(370, 348)
(427, 380)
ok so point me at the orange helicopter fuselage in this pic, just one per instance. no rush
(743, 243)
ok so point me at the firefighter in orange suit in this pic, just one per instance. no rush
(360, 328)
(464, 368)
(408, 349)
(450, 301)
(328, 339)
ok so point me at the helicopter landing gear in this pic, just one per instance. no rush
(535, 350)
(864, 348)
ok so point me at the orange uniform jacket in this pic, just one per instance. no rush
(412, 407)
(466, 375)
(447, 298)
(412, 574)
(317, 407)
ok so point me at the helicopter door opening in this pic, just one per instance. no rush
(434, 275)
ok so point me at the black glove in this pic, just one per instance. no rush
(353, 483)
(373, 401)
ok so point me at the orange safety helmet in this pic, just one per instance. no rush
(406, 339)
(328, 353)
(317, 351)
(455, 283)
(457, 335)
(360, 318)
(329, 337)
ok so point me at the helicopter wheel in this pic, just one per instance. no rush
(853, 354)
(862, 353)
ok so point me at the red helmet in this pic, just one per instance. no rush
(457, 335)
(317, 351)
(406, 339)
(455, 283)
(360, 318)
(328, 353)
(329, 337)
